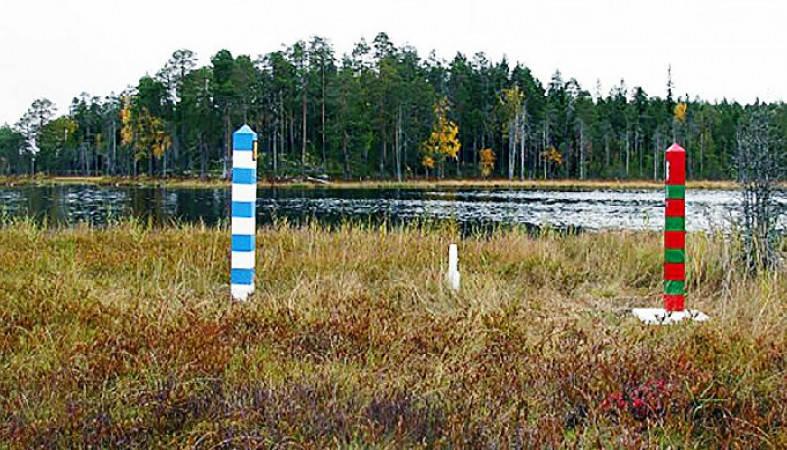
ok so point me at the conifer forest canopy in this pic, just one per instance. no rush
(381, 111)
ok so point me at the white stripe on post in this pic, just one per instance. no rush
(243, 225)
(244, 211)
(243, 260)
(244, 159)
(244, 192)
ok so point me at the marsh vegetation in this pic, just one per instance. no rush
(125, 337)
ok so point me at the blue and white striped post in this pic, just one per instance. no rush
(244, 202)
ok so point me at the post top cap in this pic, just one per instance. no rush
(245, 129)
(676, 148)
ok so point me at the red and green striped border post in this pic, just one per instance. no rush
(674, 310)
(675, 230)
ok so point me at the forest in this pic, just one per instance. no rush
(383, 111)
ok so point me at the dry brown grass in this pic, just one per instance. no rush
(526, 184)
(125, 337)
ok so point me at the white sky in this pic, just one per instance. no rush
(718, 48)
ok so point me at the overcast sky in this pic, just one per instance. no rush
(718, 48)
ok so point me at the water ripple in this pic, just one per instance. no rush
(589, 210)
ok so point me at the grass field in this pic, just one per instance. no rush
(125, 337)
(372, 184)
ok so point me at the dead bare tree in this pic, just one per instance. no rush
(760, 165)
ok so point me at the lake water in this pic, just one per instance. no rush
(586, 210)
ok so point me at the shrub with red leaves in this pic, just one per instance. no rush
(643, 401)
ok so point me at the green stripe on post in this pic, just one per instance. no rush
(674, 256)
(676, 191)
(675, 224)
(674, 287)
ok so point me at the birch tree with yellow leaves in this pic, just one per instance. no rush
(443, 142)
(143, 133)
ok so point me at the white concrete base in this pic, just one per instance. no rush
(660, 316)
(241, 292)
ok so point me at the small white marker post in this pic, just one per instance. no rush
(452, 277)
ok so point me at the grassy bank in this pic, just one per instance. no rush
(369, 184)
(125, 337)
(114, 181)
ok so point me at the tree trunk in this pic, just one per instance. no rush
(292, 132)
(503, 167)
(581, 150)
(545, 142)
(628, 153)
(657, 139)
(383, 154)
(113, 169)
(702, 155)
(511, 149)
(638, 152)
(522, 140)
(203, 158)
(282, 124)
(275, 152)
(398, 144)
(458, 167)
(475, 155)
(96, 168)
(176, 140)
(346, 156)
(404, 148)
(226, 144)
(322, 121)
(303, 137)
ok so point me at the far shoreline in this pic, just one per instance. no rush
(318, 183)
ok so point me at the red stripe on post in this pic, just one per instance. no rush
(674, 302)
(676, 207)
(674, 271)
(676, 164)
(677, 173)
(674, 239)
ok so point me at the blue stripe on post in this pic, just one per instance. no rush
(242, 276)
(242, 243)
(242, 209)
(244, 176)
(243, 141)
